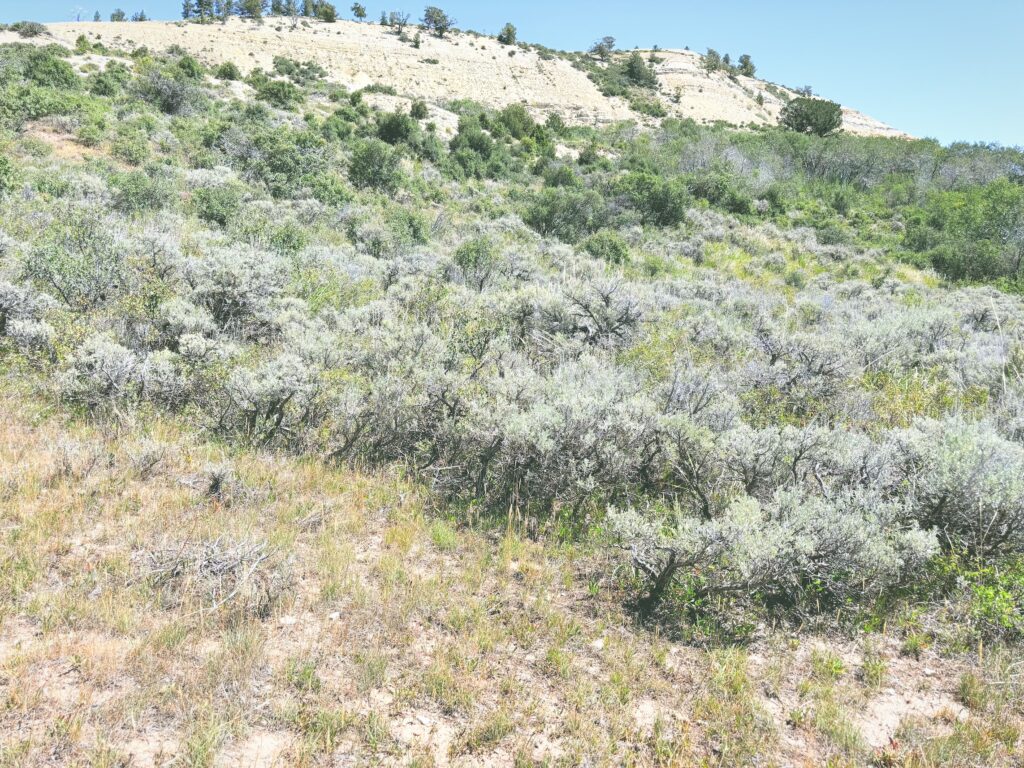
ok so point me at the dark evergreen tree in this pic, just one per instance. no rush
(326, 11)
(603, 48)
(252, 8)
(437, 21)
(640, 72)
(507, 36)
(712, 60)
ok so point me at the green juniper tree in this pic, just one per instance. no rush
(252, 8)
(326, 12)
(507, 36)
(398, 21)
(603, 48)
(712, 60)
(437, 21)
(640, 72)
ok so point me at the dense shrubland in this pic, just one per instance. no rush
(714, 349)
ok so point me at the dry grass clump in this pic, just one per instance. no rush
(237, 576)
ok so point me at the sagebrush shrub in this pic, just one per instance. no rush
(272, 399)
(161, 380)
(80, 259)
(966, 481)
(650, 320)
(790, 549)
(101, 372)
(237, 286)
(175, 95)
(29, 28)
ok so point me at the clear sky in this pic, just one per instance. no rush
(937, 68)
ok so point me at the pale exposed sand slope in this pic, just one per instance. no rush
(467, 67)
(708, 97)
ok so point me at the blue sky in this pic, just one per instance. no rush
(937, 68)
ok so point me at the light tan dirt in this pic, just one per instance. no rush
(461, 66)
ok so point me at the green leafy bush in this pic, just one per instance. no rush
(477, 259)
(396, 128)
(659, 201)
(299, 72)
(607, 245)
(218, 204)
(227, 71)
(190, 68)
(131, 147)
(139, 191)
(330, 189)
(374, 165)
(570, 215)
(817, 116)
(48, 70)
(418, 110)
(280, 93)
(110, 81)
(8, 175)
(517, 121)
(985, 598)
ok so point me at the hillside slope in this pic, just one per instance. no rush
(326, 441)
(462, 66)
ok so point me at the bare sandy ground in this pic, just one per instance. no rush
(461, 66)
